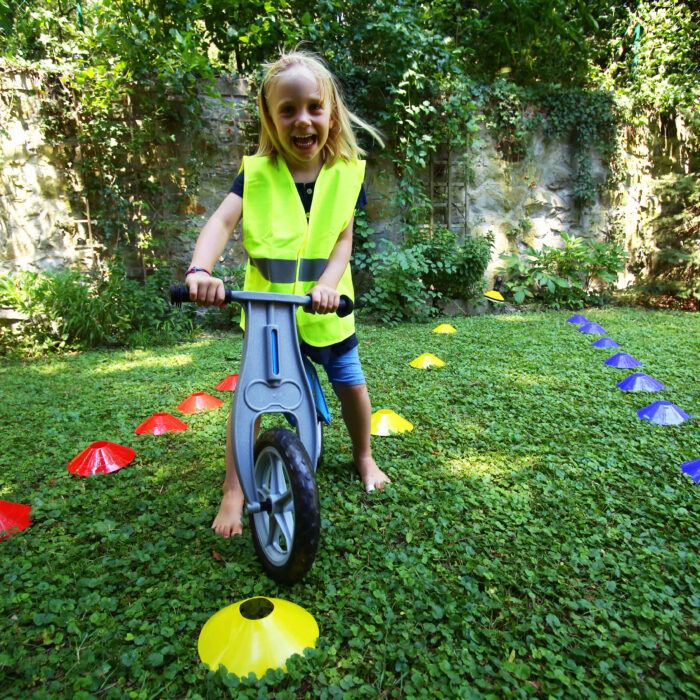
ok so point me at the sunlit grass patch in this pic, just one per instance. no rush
(528, 503)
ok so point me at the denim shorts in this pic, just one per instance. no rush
(345, 369)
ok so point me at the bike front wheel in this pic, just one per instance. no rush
(286, 532)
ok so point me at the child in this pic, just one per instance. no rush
(297, 197)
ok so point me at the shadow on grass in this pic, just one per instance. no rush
(536, 531)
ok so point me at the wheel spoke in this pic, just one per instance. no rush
(273, 532)
(285, 523)
(280, 482)
(285, 502)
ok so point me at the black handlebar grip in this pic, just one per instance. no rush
(345, 307)
(180, 293)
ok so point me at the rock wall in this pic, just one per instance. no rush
(39, 228)
(526, 202)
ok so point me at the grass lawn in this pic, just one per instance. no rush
(539, 538)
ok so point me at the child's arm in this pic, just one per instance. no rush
(205, 289)
(324, 295)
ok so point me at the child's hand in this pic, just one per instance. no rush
(324, 299)
(205, 289)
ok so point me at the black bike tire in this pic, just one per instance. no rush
(320, 425)
(307, 508)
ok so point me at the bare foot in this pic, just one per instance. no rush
(228, 520)
(372, 476)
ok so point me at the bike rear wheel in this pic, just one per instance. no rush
(286, 532)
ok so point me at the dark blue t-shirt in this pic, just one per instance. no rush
(321, 355)
(305, 190)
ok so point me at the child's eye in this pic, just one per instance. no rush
(316, 107)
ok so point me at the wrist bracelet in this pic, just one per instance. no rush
(197, 269)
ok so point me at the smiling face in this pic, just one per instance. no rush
(301, 115)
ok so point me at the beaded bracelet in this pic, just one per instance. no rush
(197, 269)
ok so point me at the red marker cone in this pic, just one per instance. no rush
(228, 384)
(199, 401)
(160, 423)
(101, 458)
(14, 517)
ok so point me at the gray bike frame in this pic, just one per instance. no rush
(271, 379)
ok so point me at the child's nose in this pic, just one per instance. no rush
(303, 117)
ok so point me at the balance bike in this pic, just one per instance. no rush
(276, 472)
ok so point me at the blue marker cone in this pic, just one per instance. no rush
(663, 413)
(640, 382)
(605, 343)
(623, 361)
(692, 469)
(577, 319)
(591, 328)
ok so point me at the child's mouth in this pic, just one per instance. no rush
(304, 142)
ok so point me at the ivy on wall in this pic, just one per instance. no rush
(122, 76)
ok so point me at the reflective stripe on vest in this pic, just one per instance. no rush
(284, 271)
(288, 252)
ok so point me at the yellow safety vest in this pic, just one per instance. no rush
(288, 252)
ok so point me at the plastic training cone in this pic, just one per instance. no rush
(623, 361)
(160, 423)
(494, 296)
(577, 319)
(386, 422)
(604, 343)
(692, 469)
(663, 413)
(444, 328)
(591, 328)
(255, 635)
(228, 384)
(427, 360)
(14, 517)
(199, 401)
(640, 382)
(101, 458)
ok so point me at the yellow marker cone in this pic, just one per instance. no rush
(494, 296)
(444, 328)
(386, 422)
(255, 635)
(427, 360)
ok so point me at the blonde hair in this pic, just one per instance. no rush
(341, 142)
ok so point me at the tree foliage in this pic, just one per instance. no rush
(124, 75)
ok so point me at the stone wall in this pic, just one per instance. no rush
(40, 228)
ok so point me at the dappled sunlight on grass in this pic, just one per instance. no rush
(143, 359)
(528, 495)
(516, 318)
(532, 379)
(488, 464)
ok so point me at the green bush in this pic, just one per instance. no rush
(398, 291)
(573, 276)
(675, 268)
(403, 282)
(455, 270)
(70, 309)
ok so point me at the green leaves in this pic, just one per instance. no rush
(537, 539)
(567, 277)
(69, 309)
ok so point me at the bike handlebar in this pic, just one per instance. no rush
(180, 294)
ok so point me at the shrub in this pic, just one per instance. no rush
(70, 309)
(403, 282)
(455, 269)
(675, 267)
(572, 276)
(398, 291)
